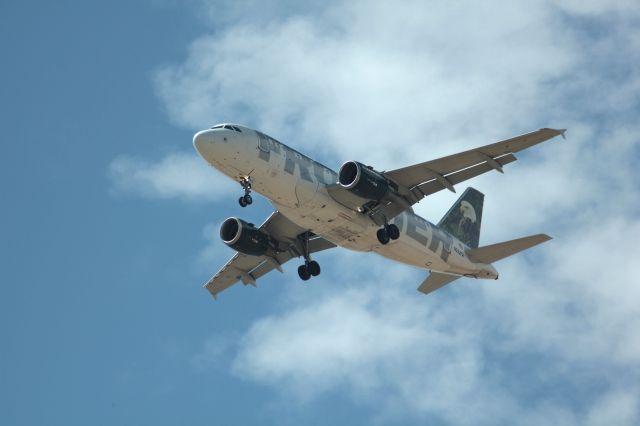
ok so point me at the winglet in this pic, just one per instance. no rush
(211, 290)
(562, 132)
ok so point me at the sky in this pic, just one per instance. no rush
(109, 219)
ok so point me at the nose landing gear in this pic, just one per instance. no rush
(246, 199)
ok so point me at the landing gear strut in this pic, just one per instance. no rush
(310, 268)
(387, 233)
(246, 199)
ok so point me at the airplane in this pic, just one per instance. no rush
(358, 208)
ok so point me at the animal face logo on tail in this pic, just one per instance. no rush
(464, 218)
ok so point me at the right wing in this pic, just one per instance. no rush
(432, 176)
(419, 180)
(248, 269)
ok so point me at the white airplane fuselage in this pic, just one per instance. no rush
(297, 187)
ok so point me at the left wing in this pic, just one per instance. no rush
(248, 269)
(419, 180)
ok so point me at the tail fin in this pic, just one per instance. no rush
(495, 252)
(464, 218)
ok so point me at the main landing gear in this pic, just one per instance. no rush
(311, 268)
(387, 233)
(246, 199)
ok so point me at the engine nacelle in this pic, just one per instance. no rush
(363, 181)
(244, 237)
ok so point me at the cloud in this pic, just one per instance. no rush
(547, 341)
(344, 79)
(177, 175)
(599, 7)
(554, 339)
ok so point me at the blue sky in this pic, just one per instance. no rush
(109, 218)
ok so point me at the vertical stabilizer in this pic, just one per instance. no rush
(464, 218)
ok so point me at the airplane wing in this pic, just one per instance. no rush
(417, 181)
(248, 269)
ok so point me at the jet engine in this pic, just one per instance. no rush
(363, 181)
(244, 237)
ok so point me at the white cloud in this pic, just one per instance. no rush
(554, 340)
(177, 175)
(561, 322)
(365, 75)
(599, 7)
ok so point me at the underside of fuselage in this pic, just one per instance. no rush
(358, 208)
(297, 187)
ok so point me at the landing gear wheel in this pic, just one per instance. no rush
(383, 236)
(246, 185)
(393, 231)
(304, 273)
(314, 268)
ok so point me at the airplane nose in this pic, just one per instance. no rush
(201, 140)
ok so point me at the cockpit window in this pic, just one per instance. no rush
(227, 126)
(230, 127)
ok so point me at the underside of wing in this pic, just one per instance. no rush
(491, 156)
(413, 183)
(247, 269)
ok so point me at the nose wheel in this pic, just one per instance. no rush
(246, 199)
(388, 233)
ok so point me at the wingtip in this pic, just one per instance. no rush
(210, 290)
(557, 132)
(562, 132)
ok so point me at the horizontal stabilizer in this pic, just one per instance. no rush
(436, 280)
(495, 252)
